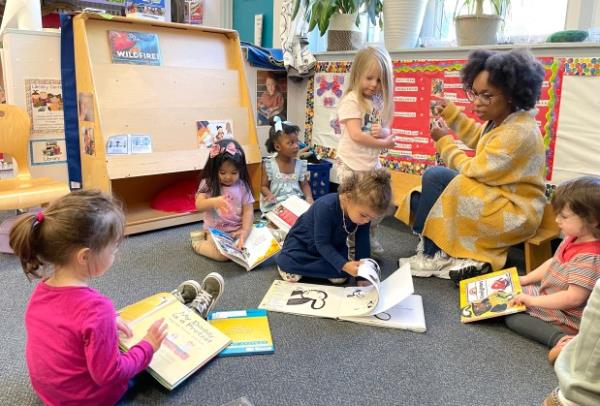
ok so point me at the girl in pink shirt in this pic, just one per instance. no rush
(225, 198)
(72, 348)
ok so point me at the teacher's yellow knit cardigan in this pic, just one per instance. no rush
(497, 200)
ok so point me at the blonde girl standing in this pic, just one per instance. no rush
(365, 115)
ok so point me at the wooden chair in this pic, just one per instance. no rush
(22, 191)
(538, 248)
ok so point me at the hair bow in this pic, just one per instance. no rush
(216, 149)
(277, 123)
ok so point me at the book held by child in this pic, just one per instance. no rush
(260, 246)
(285, 214)
(248, 329)
(380, 303)
(190, 343)
(487, 296)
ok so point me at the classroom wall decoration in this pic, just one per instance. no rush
(45, 106)
(48, 151)
(138, 48)
(417, 85)
(271, 95)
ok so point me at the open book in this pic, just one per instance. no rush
(260, 246)
(248, 329)
(386, 304)
(285, 214)
(487, 296)
(190, 343)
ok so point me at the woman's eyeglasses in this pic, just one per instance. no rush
(485, 98)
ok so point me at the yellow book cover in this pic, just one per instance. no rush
(190, 343)
(487, 296)
(248, 329)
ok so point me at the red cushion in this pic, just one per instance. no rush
(179, 197)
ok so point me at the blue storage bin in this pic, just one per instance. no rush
(319, 178)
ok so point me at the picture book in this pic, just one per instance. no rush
(372, 304)
(285, 214)
(248, 330)
(190, 343)
(487, 296)
(259, 246)
(150, 9)
(139, 48)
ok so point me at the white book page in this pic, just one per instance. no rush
(296, 205)
(258, 245)
(406, 315)
(397, 287)
(303, 298)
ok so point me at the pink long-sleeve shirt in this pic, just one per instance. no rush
(72, 348)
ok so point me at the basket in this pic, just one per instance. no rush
(319, 178)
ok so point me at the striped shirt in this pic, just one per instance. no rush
(574, 263)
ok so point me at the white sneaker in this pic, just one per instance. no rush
(288, 277)
(209, 294)
(186, 291)
(336, 281)
(424, 266)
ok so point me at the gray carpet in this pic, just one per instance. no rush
(316, 361)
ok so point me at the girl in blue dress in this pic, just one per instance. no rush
(283, 175)
(318, 245)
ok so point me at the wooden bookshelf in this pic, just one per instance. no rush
(201, 77)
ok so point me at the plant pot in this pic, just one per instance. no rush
(402, 21)
(343, 34)
(477, 30)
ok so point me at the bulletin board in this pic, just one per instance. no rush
(416, 84)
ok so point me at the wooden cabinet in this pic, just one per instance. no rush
(201, 77)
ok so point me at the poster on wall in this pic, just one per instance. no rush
(149, 9)
(194, 12)
(138, 48)
(271, 95)
(210, 131)
(48, 151)
(86, 107)
(45, 106)
(89, 142)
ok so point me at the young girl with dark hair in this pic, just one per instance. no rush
(72, 348)
(469, 213)
(283, 175)
(320, 242)
(225, 197)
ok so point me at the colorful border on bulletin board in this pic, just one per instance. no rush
(582, 66)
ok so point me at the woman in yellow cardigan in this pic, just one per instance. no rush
(469, 213)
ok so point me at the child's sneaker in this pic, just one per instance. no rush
(288, 277)
(209, 294)
(196, 237)
(186, 291)
(555, 351)
(337, 281)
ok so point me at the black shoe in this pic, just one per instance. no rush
(458, 275)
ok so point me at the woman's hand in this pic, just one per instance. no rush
(123, 327)
(438, 105)
(439, 129)
(351, 267)
(156, 334)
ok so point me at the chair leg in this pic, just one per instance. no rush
(535, 255)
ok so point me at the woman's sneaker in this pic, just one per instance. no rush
(186, 291)
(288, 277)
(424, 266)
(211, 290)
(465, 268)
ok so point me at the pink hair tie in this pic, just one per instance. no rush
(39, 216)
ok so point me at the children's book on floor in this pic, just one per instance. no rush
(285, 214)
(380, 303)
(260, 246)
(487, 296)
(248, 330)
(190, 343)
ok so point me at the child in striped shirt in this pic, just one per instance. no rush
(557, 291)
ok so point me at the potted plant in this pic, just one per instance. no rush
(476, 28)
(339, 18)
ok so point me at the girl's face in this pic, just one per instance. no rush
(271, 86)
(370, 82)
(488, 101)
(357, 212)
(228, 174)
(573, 225)
(287, 145)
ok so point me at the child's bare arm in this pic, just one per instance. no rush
(247, 219)
(204, 203)
(353, 126)
(574, 296)
(265, 186)
(305, 186)
(536, 275)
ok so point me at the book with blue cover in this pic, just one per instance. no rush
(248, 330)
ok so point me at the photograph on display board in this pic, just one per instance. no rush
(271, 88)
(2, 95)
(44, 101)
(150, 9)
(211, 131)
(45, 152)
(86, 107)
(89, 143)
(194, 12)
(139, 48)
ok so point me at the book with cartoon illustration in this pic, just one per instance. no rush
(380, 303)
(248, 329)
(190, 343)
(487, 296)
(286, 213)
(259, 246)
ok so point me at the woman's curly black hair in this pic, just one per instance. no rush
(516, 73)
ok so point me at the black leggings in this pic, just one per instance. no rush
(535, 329)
